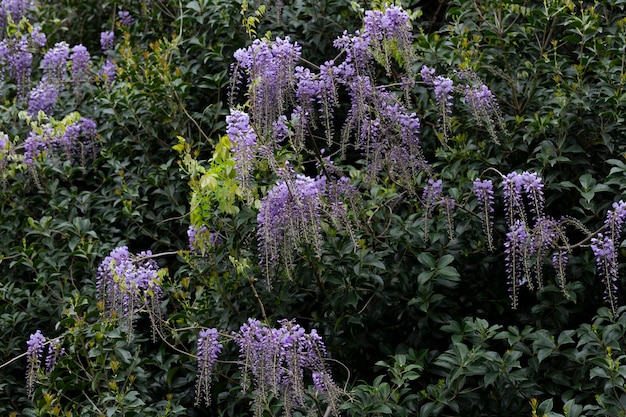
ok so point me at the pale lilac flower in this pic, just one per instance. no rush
(108, 71)
(514, 258)
(512, 191)
(107, 40)
(275, 362)
(209, 349)
(289, 216)
(269, 68)
(534, 189)
(38, 37)
(428, 75)
(80, 59)
(200, 238)
(480, 99)
(431, 197)
(605, 253)
(19, 60)
(34, 145)
(55, 351)
(443, 87)
(35, 344)
(388, 29)
(43, 98)
(244, 144)
(54, 63)
(127, 282)
(543, 237)
(125, 18)
(615, 219)
(13, 9)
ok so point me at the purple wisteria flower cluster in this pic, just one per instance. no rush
(73, 138)
(431, 197)
(387, 31)
(275, 361)
(209, 349)
(200, 239)
(244, 145)
(269, 69)
(60, 65)
(475, 94)
(532, 236)
(35, 353)
(128, 283)
(605, 246)
(289, 216)
(385, 131)
(13, 11)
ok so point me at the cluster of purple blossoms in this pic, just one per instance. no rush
(126, 283)
(481, 100)
(605, 247)
(288, 217)
(541, 239)
(34, 354)
(38, 37)
(269, 68)
(108, 72)
(477, 96)
(124, 18)
(35, 344)
(514, 186)
(43, 98)
(54, 62)
(532, 235)
(209, 349)
(36, 144)
(200, 238)
(443, 88)
(13, 10)
(604, 250)
(484, 193)
(483, 104)
(387, 30)
(107, 41)
(514, 258)
(75, 140)
(274, 361)
(244, 144)
(17, 58)
(615, 219)
(80, 59)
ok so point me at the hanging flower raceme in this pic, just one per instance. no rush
(244, 145)
(274, 362)
(208, 350)
(288, 217)
(34, 354)
(128, 283)
(269, 68)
